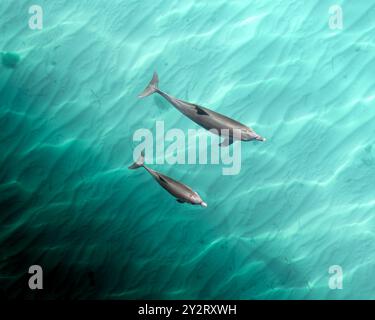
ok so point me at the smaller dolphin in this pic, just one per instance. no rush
(208, 119)
(182, 192)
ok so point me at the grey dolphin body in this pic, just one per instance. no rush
(215, 122)
(180, 191)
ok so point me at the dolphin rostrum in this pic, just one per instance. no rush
(180, 191)
(208, 119)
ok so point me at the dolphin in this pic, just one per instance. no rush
(180, 191)
(219, 124)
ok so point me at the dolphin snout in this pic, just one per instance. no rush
(259, 138)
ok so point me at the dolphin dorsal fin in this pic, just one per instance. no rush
(200, 110)
(162, 179)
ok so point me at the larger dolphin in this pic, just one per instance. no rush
(180, 191)
(208, 119)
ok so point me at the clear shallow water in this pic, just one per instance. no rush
(304, 200)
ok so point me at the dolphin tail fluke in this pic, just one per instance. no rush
(139, 163)
(151, 88)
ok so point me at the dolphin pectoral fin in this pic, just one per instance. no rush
(180, 201)
(227, 142)
(200, 111)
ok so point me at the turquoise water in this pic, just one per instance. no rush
(303, 201)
